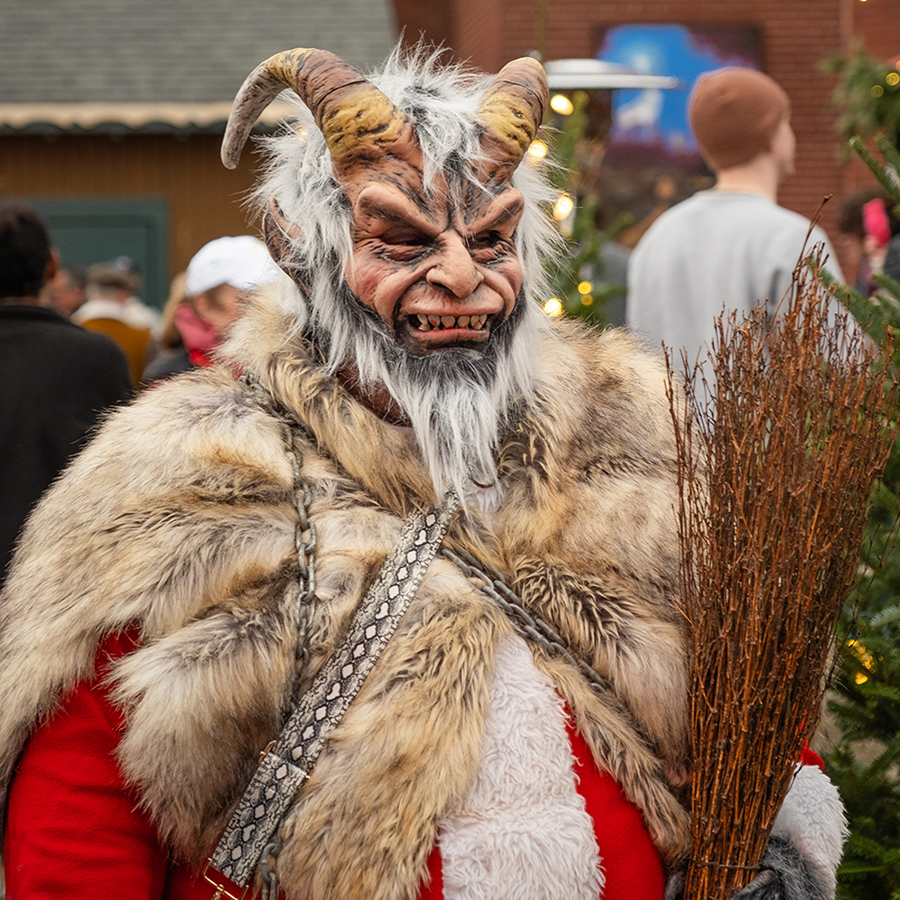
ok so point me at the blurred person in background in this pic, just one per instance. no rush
(205, 300)
(865, 225)
(731, 247)
(113, 309)
(171, 355)
(55, 378)
(891, 265)
(66, 291)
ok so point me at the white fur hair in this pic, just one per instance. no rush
(522, 830)
(443, 101)
(456, 420)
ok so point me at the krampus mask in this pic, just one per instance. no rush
(403, 225)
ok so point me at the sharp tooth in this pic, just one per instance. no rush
(435, 320)
(448, 321)
(463, 321)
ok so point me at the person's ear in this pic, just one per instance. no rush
(52, 265)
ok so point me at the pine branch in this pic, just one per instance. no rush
(877, 168)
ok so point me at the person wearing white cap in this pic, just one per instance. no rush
(221, 271)
(209, 300)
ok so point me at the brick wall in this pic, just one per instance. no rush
(796, 36)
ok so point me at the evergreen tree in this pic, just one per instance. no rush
(865, 761)
(579, 283)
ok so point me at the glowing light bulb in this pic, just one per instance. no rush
(553, 307)
(561, 104)
(586, 300)
(585, 287)
(563, 206)
(538, 149)
(893, 79)
(877, 90)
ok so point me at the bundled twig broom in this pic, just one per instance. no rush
(789, 435)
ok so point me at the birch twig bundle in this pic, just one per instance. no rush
(778, 451)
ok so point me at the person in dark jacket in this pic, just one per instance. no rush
(55, 377)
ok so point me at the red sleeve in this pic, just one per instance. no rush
(73, 829)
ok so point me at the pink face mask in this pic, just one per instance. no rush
(196, 333)
(875, 222)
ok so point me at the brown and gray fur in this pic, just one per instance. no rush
(179, 517)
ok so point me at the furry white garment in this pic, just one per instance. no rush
(522, 831)
(812, 819)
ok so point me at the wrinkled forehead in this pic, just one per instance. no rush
(396, 191)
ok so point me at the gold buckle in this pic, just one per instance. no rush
(221, 890)
(266, 751)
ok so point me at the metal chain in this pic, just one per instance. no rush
(525, 624)
(269, 878)
(305, 535)
(305, 542)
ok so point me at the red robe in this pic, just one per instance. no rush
(74, 829)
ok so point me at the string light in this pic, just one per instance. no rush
(553, 307)
(538, 149)
(563, 206)
(877, 90)
(893, 79)
(561, 104)
(864, 657)
(586, 300)
(585, 287)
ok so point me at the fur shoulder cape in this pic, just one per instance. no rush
(179, 517)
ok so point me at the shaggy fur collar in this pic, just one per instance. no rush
(179, 517)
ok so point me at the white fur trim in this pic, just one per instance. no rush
(522, 831)
(812, 819)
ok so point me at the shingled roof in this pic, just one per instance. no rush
(166, 63)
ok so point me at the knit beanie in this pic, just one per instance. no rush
(734, 114)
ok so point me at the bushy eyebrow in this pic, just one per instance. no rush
(393, 206)
(510, 207)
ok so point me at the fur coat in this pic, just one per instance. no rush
(180, 518)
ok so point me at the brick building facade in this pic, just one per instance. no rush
(796, 35)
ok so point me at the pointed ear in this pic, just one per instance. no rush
(280, 235)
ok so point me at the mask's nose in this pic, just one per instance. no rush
(453, 270)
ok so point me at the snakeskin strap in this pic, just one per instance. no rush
(288, 764)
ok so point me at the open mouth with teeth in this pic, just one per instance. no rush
(443, 323)
(424, 333)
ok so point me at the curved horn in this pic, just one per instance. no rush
(351, 112)
(511, 112)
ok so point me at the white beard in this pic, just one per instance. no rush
(458, 401)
